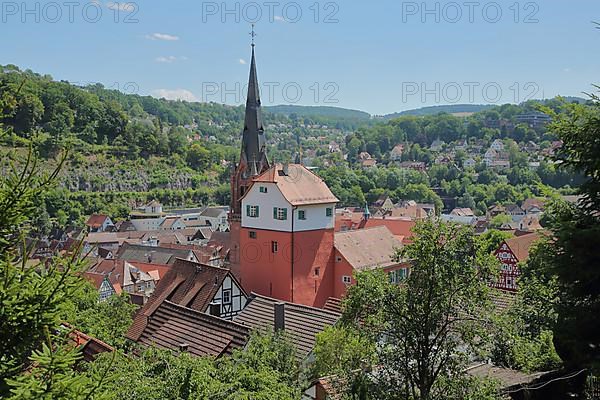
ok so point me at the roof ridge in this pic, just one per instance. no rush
(256, 295)
(365, 229)
(201, 264)
(205, 316)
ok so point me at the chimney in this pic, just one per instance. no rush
(214, 309)
(286, 169)
(183, 347)
(279, 317)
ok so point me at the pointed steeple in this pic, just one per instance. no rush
(367, 213)
(253, 139)
(253, 155)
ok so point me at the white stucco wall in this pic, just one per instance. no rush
(147, 224)
(316, 217)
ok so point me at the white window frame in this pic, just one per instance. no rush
(281, 214)
(226, 294)
(253, 212)
(346, 279)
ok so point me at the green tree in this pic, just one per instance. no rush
(340, 351)
(421, 324)
(32, 295)
(198, 157)
(500, 220)
(492, 239)
(107, 320)
(177, 141)
(53, 374)
(266, 369)
(570, 259)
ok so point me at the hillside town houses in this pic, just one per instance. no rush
(281, 255)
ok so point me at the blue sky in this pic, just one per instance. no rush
(382, 57)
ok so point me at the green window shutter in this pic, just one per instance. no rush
(257, 208)
(274, 212)
(284, 214)
(247, 210)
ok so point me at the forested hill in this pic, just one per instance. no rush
(320, 111)
(98, 115)
(467, 108)
(449, 109)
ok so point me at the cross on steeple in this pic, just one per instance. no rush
(253, 34)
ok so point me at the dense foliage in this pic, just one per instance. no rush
(32, 294)
(39, 361)
(266, 369)
(565, 265)
(432, 325)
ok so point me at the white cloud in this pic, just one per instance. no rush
(279, 18)
(170, 59)
(567, 70)
(242, 61)
(174, 94)
(162, 36)
(127, 7)
(167, 59)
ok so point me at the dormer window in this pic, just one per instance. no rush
(263, 189)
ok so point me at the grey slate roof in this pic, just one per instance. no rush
(156, 255)
(302, 323)
(170, 326)
(212, 212)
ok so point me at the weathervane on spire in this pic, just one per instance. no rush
(253, 34)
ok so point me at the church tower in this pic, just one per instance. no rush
(282, 219)
(253, 156)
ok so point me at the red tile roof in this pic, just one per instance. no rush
(96, 220)
(347, 219)
(299, 186)
(148, 268)
(90, 346)
(188, 284)
(398, 227)
(520, 245)
(367, 248)
(94, 278)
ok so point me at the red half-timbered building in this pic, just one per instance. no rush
(510, 253)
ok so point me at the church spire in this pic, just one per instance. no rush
(253, 139)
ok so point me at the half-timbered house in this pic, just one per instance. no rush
(510, 253)
(203, 288)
